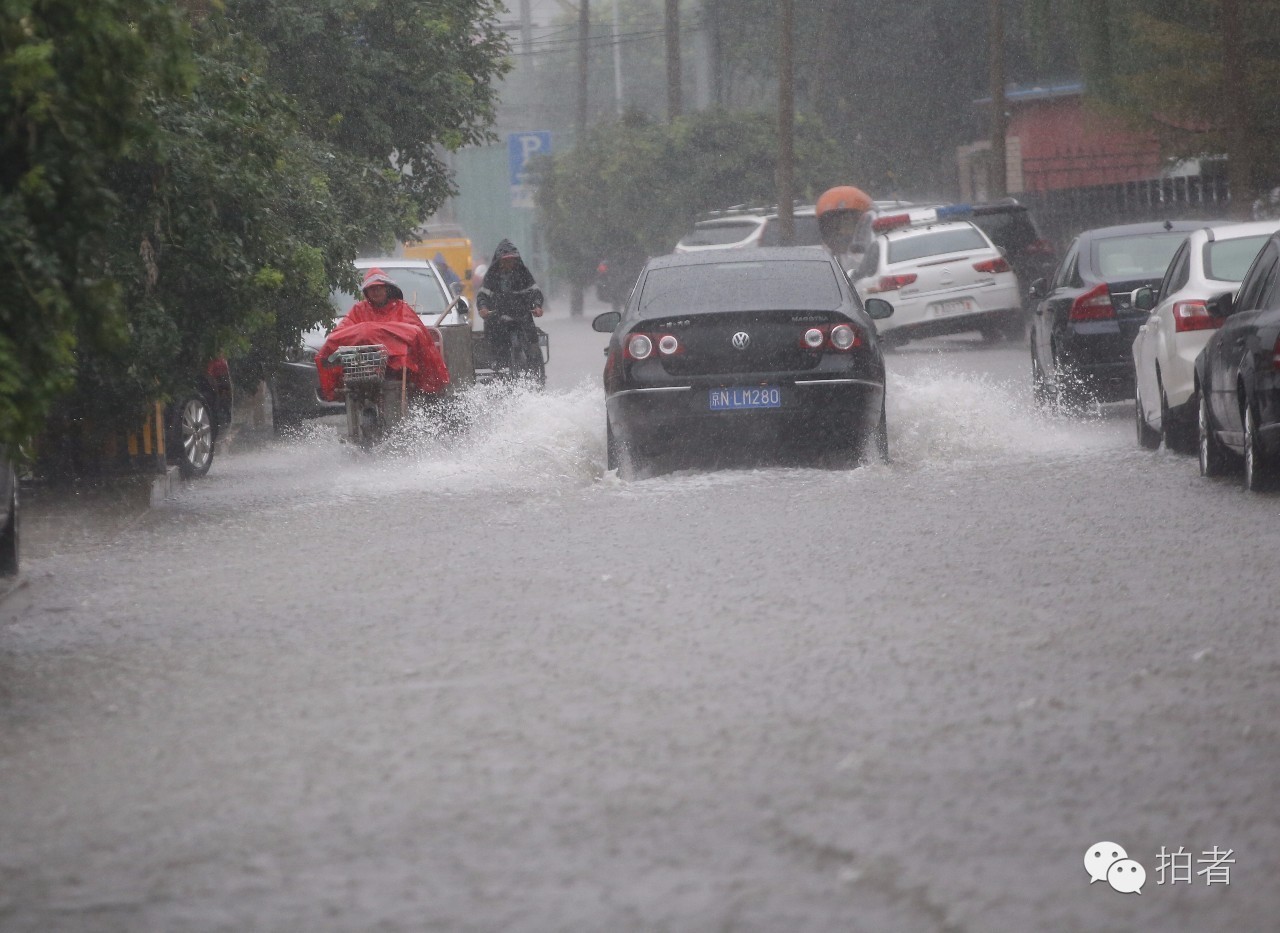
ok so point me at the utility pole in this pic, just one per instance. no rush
(786, 124)
(526, 30)
(674, 103)
(1235, 91)
(584, 35)
(997, 181)
(577, 291)
(617, 58)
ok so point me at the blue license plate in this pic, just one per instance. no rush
(758, 397)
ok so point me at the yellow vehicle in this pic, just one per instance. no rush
(450, 241)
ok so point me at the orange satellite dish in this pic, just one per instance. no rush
(843, 198)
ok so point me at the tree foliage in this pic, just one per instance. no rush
(215, 183)
(635, 185)
(78, 86)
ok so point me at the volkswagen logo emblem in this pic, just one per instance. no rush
(741, 340)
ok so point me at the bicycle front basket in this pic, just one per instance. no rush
(363, 365)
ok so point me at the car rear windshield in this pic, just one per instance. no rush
(421, 289)
(1145, 256)
(936, 243)
(1229, 260)
(807, 233)
(776, 285)
(1010, 230)
(720, 234)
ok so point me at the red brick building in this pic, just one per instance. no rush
(1054, 141)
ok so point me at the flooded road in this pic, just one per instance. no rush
(475, 682)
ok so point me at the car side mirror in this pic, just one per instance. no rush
(1037, 289)
(1143, 299)
(1221, 305)
(456, 288)
(607, 323)
(463, 306)
(878, 309)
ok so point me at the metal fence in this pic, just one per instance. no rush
(1063, 213)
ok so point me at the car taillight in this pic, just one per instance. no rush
(999, 264)
(639, 347)
(1093, 305)
(642, 346)
(838, 337)
(845, 337)
(1193, 315)
(1040, 248)
(890, 283)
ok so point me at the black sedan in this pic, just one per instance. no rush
(766, 353)
(1083, 322)
(1238, 377)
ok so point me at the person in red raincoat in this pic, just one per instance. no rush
(384, 317)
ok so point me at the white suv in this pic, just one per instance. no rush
(942, 278)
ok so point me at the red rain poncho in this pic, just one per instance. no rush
(410, 346)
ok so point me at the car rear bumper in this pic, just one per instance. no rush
(813, 413)
(952, 324)
(1100, 357)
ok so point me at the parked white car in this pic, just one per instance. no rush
(740, 229)
(1210, 261)
(942, 278)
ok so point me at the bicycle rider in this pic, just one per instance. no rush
(509, 299)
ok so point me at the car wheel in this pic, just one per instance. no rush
(1039, 387)
(882, 436)
(193, 430)
(1259, 472)
(9, 540)
(1148, 437)
(610, 447)
(1177, 434)
(1066, 395)
(1212, 459)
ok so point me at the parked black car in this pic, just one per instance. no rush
(8, 517)
(1012, 228)
(1238, 376)
(1083, 321)
(765, 353)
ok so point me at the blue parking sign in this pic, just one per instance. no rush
(521, 147)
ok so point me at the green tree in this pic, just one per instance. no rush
(310, 131)
(78, 82)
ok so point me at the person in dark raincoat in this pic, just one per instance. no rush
(508, 299)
